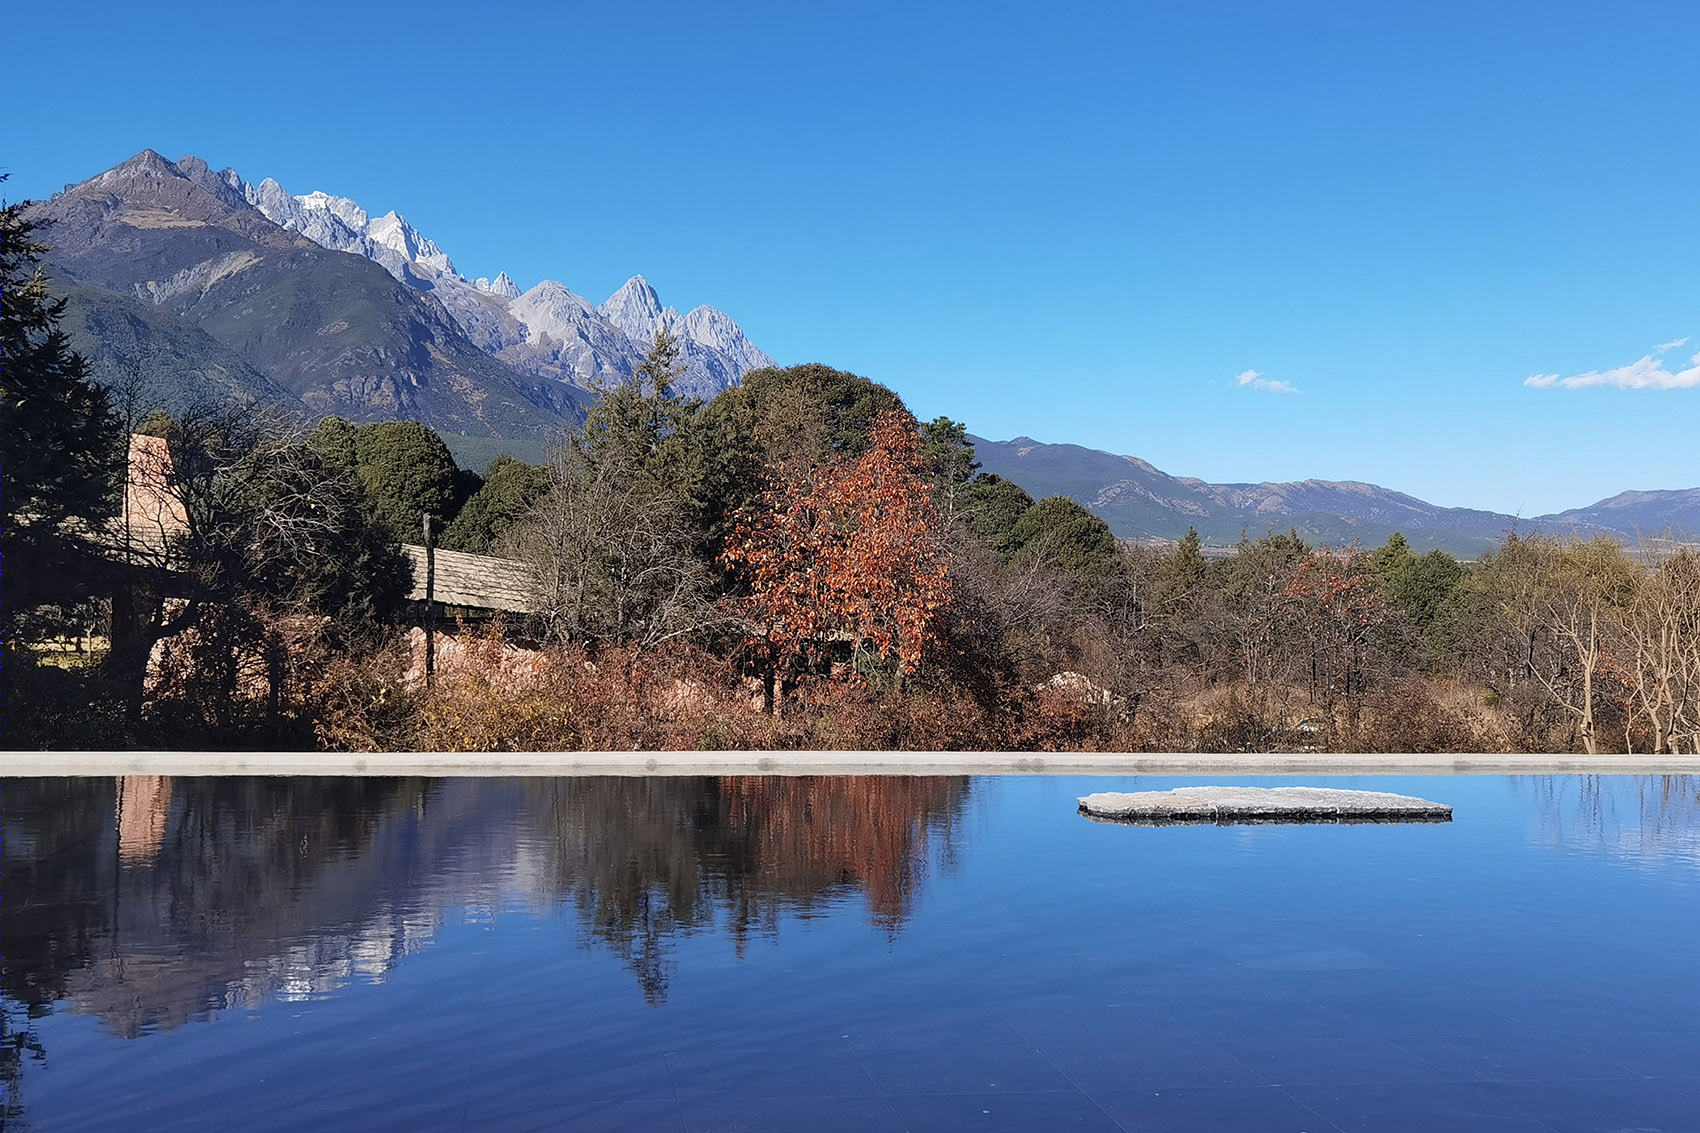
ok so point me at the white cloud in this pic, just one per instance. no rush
(1251, 379)
(1649, 372)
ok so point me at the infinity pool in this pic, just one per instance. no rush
(825, 954)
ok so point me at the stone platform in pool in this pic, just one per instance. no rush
(1227, 805)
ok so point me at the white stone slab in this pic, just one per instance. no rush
(1261, 804)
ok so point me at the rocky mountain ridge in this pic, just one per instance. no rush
(547, 331)
(390, 329)
(236, 303)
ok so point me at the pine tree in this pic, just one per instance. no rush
(58, 436)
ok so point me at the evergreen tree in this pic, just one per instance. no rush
(408, 471)
(620, 533)
(1065, 533)
(1417, 584)
(950, 463)
(647, 424)
(993, 507)
(333, 438)
(510, 489)
(59, 441)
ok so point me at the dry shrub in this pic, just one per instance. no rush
(1410, 716)
(1158, 725)
(1236, 717)
(242, 677)
(476, 704)
(689, 699)
(1425, 714)
(361, 701)
(50, 707)
(1057, 719)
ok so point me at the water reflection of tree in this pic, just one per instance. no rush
(809, 836)
(1645, 817)
(649, 860)
(153, 901)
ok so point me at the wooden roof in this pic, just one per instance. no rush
(478, 581)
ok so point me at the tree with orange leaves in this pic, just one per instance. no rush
(854, 551)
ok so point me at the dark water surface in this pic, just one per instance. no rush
(825, 954)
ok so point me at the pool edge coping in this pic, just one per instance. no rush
(191, 763)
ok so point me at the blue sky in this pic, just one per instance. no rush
(1081, 222)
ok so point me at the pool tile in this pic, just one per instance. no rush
(768, 1074)
(616, 1078)
(1395, 1015)
(980, 1026)
(1656, 1054)
(1513, 1058)
(374, 1115)
(1576, 1011)
(594, 1032)
(825, 1038)
(1170, 1066)
(1454, 1107)
(1002, 1113)
(1099, 1026)
(1331, 959)
(1265, 1109)
(577, 1117)
(1610, 1106)
(965, 1070)
(1274, 1020)
(1211, 989)
(789, 1115)
(1334, 1062)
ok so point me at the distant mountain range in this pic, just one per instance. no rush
(1139, 501)
(185, 282)
(192, 280)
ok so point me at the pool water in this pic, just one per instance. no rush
(820, 954)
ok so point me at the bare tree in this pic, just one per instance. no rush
(231, 517)
(614, 552)
(1661, 654)
(1565, 599)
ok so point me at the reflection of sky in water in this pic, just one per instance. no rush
(616, 916)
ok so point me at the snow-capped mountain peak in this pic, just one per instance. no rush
(636, 309)
(548, 331)
(394, 233)
(502, 285)
(342, 208)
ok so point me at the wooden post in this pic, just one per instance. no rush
(430, 604)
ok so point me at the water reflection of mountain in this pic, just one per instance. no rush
(1648, 818)
(153, 901)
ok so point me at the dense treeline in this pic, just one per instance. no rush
(797, 563)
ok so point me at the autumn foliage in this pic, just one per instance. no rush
(852, 553)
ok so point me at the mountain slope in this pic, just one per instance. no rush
(1139, 501)
(1644, 513)
(337, 331)
(171, 363)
